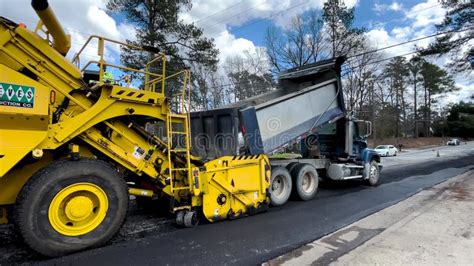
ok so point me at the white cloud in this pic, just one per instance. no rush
(127, 31)
(216, 16)
(465, 93)
(419, 21)
(401, 32)
(426, 14)
(230, 46)
(380, 38)
(396, 6)
(381, 8)
(79, 18)
(103, 23)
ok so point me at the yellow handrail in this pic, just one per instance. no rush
(150, 78)
(134, 47)
(102, 63)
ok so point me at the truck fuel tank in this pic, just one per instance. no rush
(339, 171)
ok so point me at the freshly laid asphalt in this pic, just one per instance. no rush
(255, 239)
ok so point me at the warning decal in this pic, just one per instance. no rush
(138, 152)
(17, 95)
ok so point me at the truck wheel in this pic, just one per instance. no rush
(374, 173)
(305, 181)
(70, 206)
(291, 166)
(280, 186)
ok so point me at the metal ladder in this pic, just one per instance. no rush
(175, 150)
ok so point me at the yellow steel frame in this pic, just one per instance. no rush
(243, 181)
(179, 182)
(150, 79)
(21, 48)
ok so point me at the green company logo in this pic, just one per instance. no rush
(17, 95)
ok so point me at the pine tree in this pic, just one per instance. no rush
(397, 72)
(435, 81)
(158, 26)
(461, 120)
(415, 68)
(342, 35)
(459, 17)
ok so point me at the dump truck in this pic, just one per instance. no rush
(76, 144)
(306, 116)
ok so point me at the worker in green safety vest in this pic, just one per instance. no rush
(108, 76)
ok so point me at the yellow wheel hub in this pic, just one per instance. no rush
(78, 209)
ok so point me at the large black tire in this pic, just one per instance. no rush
(34, 205)
(291, 166)
(374, 174)
(305, 181)
(280, 186)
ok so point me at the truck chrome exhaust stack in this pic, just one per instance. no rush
(62, 41)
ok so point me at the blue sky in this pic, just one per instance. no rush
(238, 26)
(253, 30)
(366, 15)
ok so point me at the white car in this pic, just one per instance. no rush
(453, 142)
(386, 150)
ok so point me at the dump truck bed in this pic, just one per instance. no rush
(307, 98)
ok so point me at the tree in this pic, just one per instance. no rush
(435, 81)
(415, 68)
(158, 26)
(343, 39)
(301, 44)
(210, 89)
(342, 35)
(247, 84)
(458, 45)
(201, 88)
(461, 120)
(358, 80)
(396, 72)
(248, 74)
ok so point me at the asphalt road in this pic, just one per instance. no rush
(153, 239)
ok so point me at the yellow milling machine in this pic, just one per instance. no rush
(73, 149)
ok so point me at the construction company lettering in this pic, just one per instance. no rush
(17, 95)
